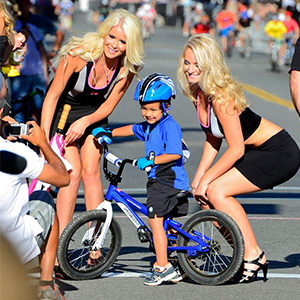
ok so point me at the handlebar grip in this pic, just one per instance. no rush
(113, 159)
(151, 157)
(104, 139)
(64, 116)
(134, 162)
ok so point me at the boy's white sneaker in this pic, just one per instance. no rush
(157, 277)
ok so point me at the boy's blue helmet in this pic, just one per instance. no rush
(155, 87)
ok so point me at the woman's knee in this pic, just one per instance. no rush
(91, 172)
(215, 194)
(75, 175)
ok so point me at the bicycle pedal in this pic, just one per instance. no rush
(144, 234)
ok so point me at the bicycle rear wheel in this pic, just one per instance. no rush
(75, 245)
(226, 248)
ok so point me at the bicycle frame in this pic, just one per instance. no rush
(208, 247)
(129, 206)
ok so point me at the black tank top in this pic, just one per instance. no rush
(83, 98)
(248, 118)
(79, 92)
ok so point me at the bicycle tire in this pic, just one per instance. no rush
(248, 47)
(226, 252)
(229, 46)
(76, 243)
(274, 56)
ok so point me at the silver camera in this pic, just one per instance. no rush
(18, 129)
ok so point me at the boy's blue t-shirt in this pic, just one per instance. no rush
(164, 137)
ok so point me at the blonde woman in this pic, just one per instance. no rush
(93, 74)
(9, 41)
(260, 154)
(6, 33)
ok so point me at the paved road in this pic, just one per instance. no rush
(274, 215)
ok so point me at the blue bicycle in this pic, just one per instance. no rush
(209, 247)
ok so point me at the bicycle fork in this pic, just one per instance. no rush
(94, 229)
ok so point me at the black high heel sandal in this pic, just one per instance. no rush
(253, 276)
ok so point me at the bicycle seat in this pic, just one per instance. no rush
(183, 194)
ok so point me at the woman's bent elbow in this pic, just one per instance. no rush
(239, 153)
(64, 180)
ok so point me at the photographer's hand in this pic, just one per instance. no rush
(54, 171)
(6, 121)
(36, 135)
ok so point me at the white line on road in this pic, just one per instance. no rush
(126, 274)
(143, 190)
(145, 274)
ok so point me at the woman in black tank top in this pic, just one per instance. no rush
(260, 154)
(92, 77)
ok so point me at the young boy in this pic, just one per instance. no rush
(167, 177)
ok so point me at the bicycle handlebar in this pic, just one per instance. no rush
(113, 159)
(108, 156)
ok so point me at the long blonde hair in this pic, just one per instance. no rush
(8, 21)
(215, 79)
(90, 46)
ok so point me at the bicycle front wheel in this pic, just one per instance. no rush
(226, 248)
(74, 253)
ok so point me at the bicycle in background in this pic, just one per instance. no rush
(275, 48)
(244, 43)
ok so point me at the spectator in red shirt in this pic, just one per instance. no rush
(204, 26)
(226, 22)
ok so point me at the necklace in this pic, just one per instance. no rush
(107, 73)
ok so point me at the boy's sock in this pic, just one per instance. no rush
(46, 282)
(161, 269)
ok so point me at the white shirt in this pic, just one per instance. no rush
(18, 227)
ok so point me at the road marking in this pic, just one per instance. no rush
(267, 96)
(287, 188)
(278, 275)
(143, 190)
(125, 274)
(145, 274)
(274, 218)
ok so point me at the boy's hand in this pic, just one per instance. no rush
(101, 131)
(102, 134)
(144, 162)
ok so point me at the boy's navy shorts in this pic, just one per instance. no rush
(162, 200)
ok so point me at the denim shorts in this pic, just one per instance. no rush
(42, 208)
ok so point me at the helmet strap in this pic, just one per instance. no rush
(164, 108)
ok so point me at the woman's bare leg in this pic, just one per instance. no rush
(67, 196)
(90, 158)
(220, 195)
